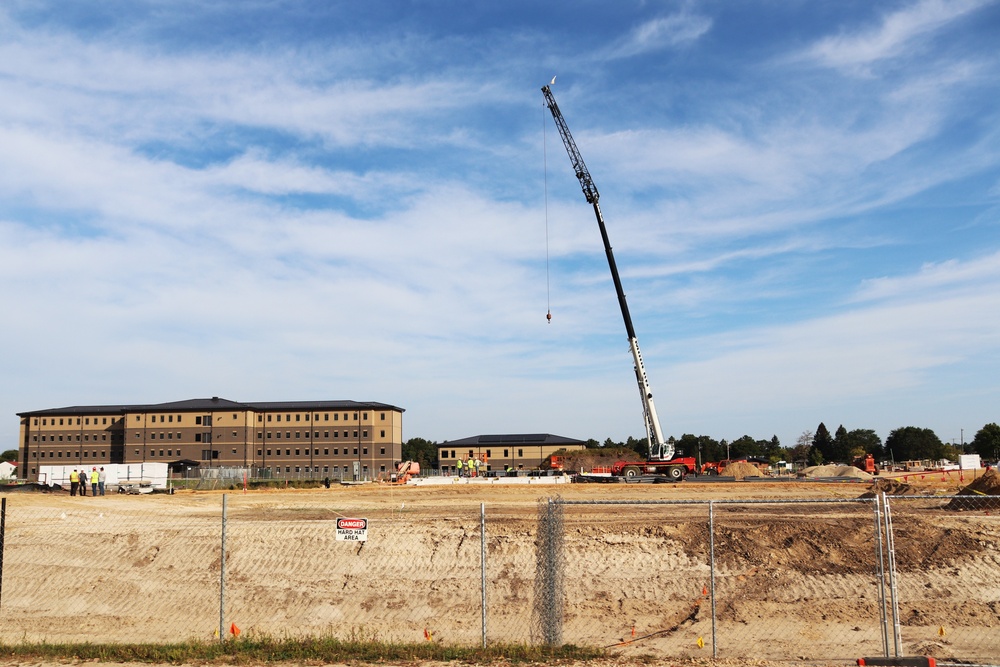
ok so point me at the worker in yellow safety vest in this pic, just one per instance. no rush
(74, 482)
(458, 467)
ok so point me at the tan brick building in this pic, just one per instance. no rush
(336, 439)
(519, 451)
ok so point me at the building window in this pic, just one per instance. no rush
(326, 451)
(197, 420)
(170, 419)
(382, 416)
(297, 418)
(382, 433)
(234, 434)
(298, 434)
(279, 434)
(381, 451)
(269, 434)
(336, 451)
(326, 416)
(520, 452)
(197, 437)
(355, 451)
(234, 451)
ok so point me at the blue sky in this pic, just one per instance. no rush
(293, 200)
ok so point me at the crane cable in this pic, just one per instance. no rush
(545, 181)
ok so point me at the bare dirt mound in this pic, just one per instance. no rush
(589, 459)
(834, 471)
(984, 492)
(741, 470)
(890, 487)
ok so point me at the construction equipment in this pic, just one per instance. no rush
(866, 462)
(660, 452)
(404, 472)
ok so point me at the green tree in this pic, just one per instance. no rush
(743, 447)
(9, 455)
(840, 451)
(822, 445)
(862, 441)
(911, 443)
(986, 443)
(422, 451)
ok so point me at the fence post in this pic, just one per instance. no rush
(3, 531)
(880, 561)
(222, 575)
(482, 562)
(890, 541)
(711, 569)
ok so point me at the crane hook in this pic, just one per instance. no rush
(548, 316)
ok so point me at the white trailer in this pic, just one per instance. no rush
(116, 473)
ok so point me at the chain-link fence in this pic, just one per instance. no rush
(792, 580)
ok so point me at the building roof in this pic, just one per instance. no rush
(514, 439)
(208, 404)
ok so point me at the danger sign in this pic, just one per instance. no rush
(352, 530)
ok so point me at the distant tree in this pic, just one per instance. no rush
(859, 442)
(592, 444)
(986, 443)
(421, 451)
(910, 443)
(9, 455)
(744, 447)
(840, 451)
(610, 443)
(773, 450)
(799, 454)
(637, 445)
(822, 445)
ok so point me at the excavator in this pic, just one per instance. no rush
(660, 458)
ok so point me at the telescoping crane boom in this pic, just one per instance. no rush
(660, 451)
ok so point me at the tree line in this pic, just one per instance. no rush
(908, 443)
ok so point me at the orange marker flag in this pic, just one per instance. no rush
(428, 635)
(234, 631)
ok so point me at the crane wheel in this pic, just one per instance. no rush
(630, 472)
(676, 473)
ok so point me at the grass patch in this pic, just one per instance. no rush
(267, 649)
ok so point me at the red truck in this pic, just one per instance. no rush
(676, 468)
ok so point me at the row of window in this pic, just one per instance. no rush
(207, 420)
(69, 455)
(69, 438)
(68, 421)
(198, 437)
(445, 454)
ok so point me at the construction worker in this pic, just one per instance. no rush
(458, 467)
(74, 482)
(93, 481)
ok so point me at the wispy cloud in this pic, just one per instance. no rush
(664, 32)
(895, 33)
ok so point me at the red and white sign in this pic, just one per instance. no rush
(352, 530)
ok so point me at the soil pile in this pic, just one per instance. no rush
(588, 459)
(741, 470)
(988, 484)
(890, 487)
(834, 471)
(984, 492)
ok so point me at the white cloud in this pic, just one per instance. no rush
(661, 33)
(896, 32)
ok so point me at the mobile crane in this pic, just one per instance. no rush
(660, 458)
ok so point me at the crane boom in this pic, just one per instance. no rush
(659, 449)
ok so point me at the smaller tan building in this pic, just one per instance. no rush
(520, 452)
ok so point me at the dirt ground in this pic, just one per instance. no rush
(794, 580)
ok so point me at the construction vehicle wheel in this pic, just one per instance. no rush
(630, 472)
(676, 473)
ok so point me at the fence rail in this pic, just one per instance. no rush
(792, 580)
